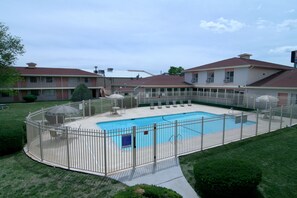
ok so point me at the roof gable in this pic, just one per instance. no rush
(239, 62)
(280, 79)
(162, 80)
(42, 71)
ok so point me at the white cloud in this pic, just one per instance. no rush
(287, 24)
(283, 49)
(222, 25)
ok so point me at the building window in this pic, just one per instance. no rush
(86, 80)
(49, 92)
(33, 79)
(229, 76)
(293, 98)
(195, 78)
(210, 77)
(49, 79)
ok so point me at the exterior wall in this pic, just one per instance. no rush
(188, 77)
(255, 74)
(279, 93)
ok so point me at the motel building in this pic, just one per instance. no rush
(237, 81)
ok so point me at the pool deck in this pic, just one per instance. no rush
(86, 151)
(167, 173)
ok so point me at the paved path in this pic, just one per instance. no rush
(166, 173)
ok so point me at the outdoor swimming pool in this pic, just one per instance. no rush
(189, 126)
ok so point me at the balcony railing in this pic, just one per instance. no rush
(228, 80)
(209, 80)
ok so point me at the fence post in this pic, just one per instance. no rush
(67, 147)
(270, 115)
(155, 143)
(175, 139)
(40, 141)
(241, 125)
(257, 122)
(101, 105)
(90, 108)
(134, 147)
(105, 154)
(224, 120)
(291, 114)
(202, 133)
(281, 117)
(83, 108)
(42, 110)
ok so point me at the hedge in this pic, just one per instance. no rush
(143, 190)
(226, 178)
(30, 98)
(11, 138)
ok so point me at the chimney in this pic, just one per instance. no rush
(245, 55)
(31, 65)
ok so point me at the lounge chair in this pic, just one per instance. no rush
(159, 105)
(189, 103)
(152, 106)
(181, 103)
(167, 104)
(174, 103)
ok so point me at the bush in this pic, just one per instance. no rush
(30, 98)
(144, 190)
(11, 138)
(81, 92)
(226, 178)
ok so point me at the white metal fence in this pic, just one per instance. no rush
(102, 152)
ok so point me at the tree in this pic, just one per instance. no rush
(81, 92)
(175, 70)
(10, 48)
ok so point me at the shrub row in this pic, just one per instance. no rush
(11, 138)
(226, 178)
(30, 98)
(143, 190)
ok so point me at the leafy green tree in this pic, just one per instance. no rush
(81, 92)
(10, 48)
(175, 70)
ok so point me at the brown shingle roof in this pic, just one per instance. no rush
(233, 62)
(159, 80)
(53, 71)
(280, 79)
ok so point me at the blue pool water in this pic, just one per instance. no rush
(144, 135)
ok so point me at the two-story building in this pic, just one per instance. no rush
(243, 77)
(52, 83)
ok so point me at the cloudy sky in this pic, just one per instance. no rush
(150, 34)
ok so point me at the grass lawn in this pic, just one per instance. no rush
(275, 153)
(22, 177)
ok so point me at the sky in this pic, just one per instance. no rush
(150, 35)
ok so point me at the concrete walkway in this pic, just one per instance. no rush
(166, 173)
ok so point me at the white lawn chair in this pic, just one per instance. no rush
(152, 106)
(167, 104)
(189, 103)
(181, 103)
(174, 103)
(159, 105)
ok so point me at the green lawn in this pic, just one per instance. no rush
(275, 153)
(22, 177)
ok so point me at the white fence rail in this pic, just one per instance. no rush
(104, 152)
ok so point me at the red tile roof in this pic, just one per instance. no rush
(159, 80)
(280, 79)
(42, 71)
(233, 62)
